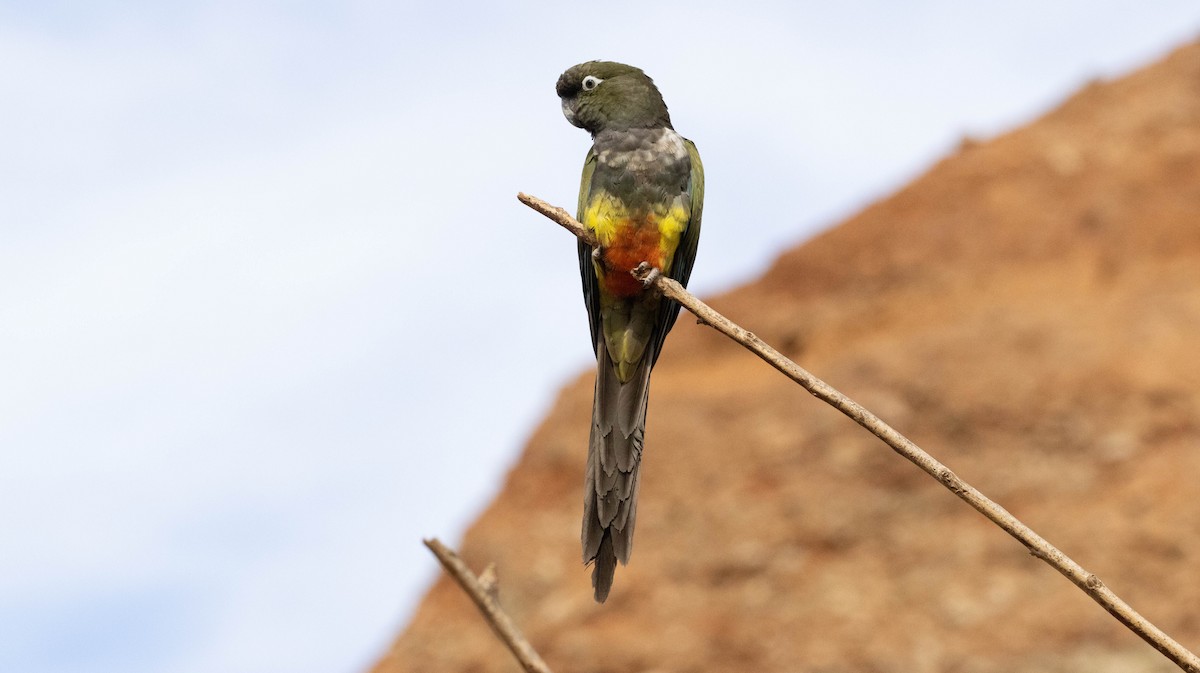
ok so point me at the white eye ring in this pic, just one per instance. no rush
(591, 82)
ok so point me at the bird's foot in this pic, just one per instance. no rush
(647, 274)
(598, 257)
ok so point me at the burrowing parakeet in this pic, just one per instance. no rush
(642, 194)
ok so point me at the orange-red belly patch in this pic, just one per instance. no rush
(633, 242)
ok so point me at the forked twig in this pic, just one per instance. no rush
(485, 598)
(1037, 545)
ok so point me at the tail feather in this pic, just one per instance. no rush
(614, 454)
(605, 568)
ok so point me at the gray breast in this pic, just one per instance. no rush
(642, 165)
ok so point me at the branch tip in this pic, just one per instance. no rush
(482, 590)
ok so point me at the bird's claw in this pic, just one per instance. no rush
(598, 257)
(648, 274)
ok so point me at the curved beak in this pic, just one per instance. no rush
(569, 106)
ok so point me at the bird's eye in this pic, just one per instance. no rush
(591, 82)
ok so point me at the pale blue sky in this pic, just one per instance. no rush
(270, 313)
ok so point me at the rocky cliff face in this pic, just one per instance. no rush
(1028, 311)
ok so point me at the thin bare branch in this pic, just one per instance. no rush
(484, 596)
(560, 216)
(1037, 545)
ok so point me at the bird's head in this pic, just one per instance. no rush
(600, 95)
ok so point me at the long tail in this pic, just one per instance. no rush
(611, 481)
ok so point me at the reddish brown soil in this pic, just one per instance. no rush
(1028, 311)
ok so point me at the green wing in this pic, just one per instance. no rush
(685, 254)
(587, 271)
